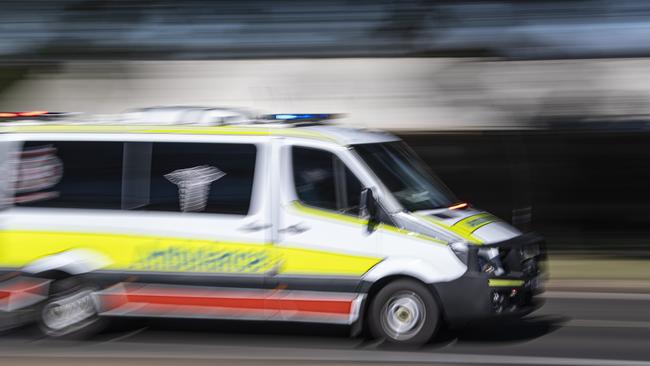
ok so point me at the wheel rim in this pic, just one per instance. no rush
(403, 316)
(69, 311)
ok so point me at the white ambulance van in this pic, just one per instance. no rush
(280, 218)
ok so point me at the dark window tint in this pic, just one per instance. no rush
(201, 177)
(406, 176)
(322, 180)
(353, 192)
(69, 174)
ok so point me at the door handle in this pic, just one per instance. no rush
(295, 229)
(254, 226)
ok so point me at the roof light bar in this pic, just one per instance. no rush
(300, 117)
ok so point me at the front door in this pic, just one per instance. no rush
(323, 245)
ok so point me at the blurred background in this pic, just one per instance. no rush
(533, 108)
(537, 111)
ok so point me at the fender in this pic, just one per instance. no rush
(74, 262)
(416, 268)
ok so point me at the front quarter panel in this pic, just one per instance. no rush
(428, 260)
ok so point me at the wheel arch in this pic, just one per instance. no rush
(71, 262)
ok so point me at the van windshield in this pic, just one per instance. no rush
(406, 176)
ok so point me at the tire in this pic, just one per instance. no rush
(70, 311)
(404, 312)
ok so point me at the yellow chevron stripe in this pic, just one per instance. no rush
(162, 254)
(460, 231)
(194, 130)
(330, 215)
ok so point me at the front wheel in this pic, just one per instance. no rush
(404, 312)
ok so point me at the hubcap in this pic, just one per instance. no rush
(68, 311)
(403, 316)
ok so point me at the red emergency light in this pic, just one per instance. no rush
(22, 114)
(458, 206)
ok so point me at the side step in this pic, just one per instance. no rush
(146, 300)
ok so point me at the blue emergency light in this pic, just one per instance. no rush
(301, 117)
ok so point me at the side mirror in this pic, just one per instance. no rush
(368, 209)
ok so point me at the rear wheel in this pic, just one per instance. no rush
(70, 310)
(404, 312)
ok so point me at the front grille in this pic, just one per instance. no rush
(526, 260)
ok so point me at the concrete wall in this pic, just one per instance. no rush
(393, 93)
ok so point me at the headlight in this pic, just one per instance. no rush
(461, 249)
(489, 261)
(484, 259)
(486, 266)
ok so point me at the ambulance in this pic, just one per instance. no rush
(209, 213)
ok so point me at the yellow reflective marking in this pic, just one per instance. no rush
(161, 254)
(199, 130)
(140, 253)
(411, 234)
(467, 235)
(209, 131)
(71, 128)
(357, 221)
(314, 262)
(505, 283)
(474, 222)
(287, 132)
(327, 214)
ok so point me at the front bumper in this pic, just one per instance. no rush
(471, 297)
(480, 296)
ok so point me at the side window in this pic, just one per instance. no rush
(323, 181)
(68, 174)
(7, 160)
(201, 177)
(178, 177)
(353, 192)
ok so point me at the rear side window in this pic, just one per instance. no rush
(165, 176)
(201, 177)
(323, 181)
(69, 174)
(7, 160)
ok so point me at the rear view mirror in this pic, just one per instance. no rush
(368, 209)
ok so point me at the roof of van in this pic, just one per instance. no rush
(337, 134)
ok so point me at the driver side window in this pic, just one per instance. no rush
(323, 181)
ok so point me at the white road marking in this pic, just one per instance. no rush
(607, 323)
(125, 336)
(595, 295)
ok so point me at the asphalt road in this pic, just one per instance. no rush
(571, 329)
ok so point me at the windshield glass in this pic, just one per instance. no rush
(404, 174)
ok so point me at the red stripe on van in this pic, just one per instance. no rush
(237, 300)
(258, 303)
